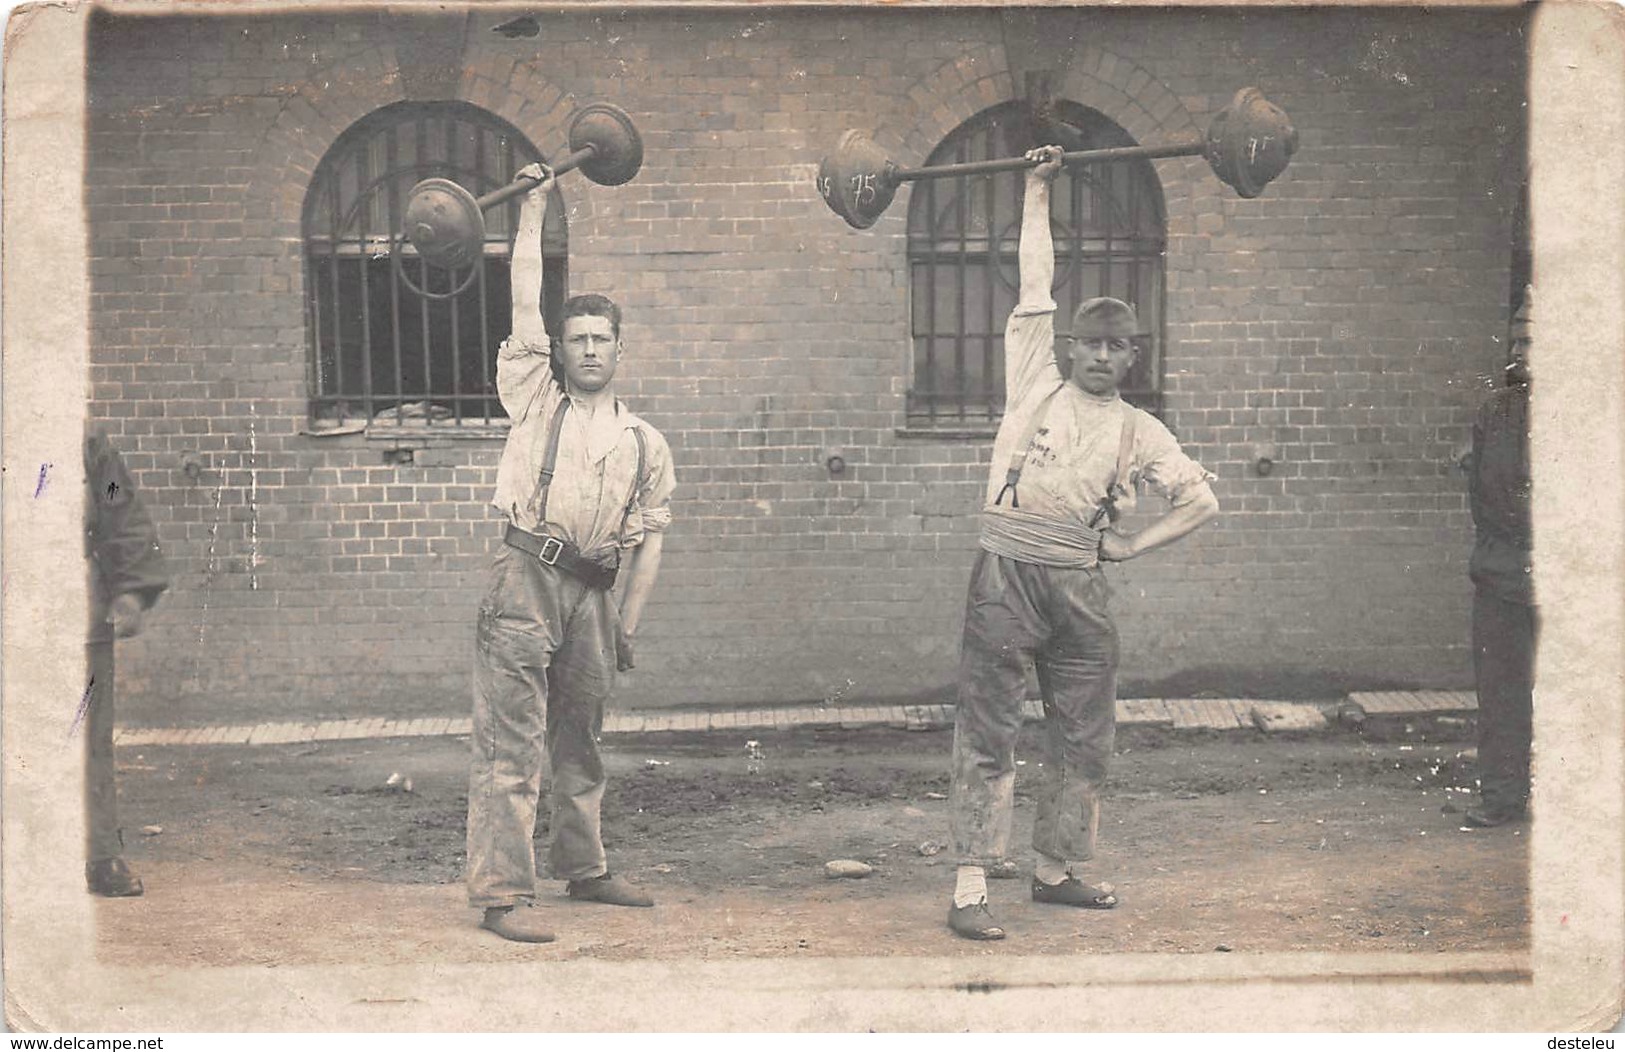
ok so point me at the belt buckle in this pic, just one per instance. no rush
(556, 551)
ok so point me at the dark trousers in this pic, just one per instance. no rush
(1020, 614)
(1504, 666)
(102, 837)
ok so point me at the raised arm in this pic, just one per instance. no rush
(1036, 254)
(525, 268)
(523, 359)
(1029, 338)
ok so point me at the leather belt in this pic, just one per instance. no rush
(562, 555)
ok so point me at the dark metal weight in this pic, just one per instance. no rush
(1249, 142)
(446, 223)
(1247, 145)
(858, 181)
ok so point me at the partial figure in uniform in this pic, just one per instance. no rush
(586, 488)
(127, 575)
(1066, 460)
(1505, 619)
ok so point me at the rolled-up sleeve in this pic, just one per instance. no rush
(1166, 468)
(523, 370)
(657, 485)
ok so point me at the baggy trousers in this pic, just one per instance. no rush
(103, 839)
(544, 664)
(1019, 613)
(1504, 667)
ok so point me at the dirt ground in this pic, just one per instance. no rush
(305, 854)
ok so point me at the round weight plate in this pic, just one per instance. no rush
(1250, 142)
(444, 224)
(855, 181)
(618, 149)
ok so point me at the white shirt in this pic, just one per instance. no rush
(1073, 455)
(590, 502)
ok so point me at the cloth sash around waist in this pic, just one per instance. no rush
(1030, 538)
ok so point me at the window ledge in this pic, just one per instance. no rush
(410, 433)
(941, 433)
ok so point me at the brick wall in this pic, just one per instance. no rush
(1348, 319)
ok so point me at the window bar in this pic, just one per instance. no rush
(1075, 189)
(1142, 363)
(990, 280)
(931, 267)
(1134, 233)
(485, 315)
(313, 301)
(456, 319)
(333, 275)
(450, 127)
(959, 287)
(1103, 195)
(363, 213)
(393, 147)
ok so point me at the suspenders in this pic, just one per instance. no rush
(550, 458)
(1018, 461)
(1125, 450)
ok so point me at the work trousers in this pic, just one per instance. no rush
(544, 665)
(1020, 614)
(1504, 666)
(103, 839)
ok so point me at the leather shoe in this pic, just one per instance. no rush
(1074, 892)
(609, 889)
(110, 877)
(516, 924)
(974, 922)
(1487, 817)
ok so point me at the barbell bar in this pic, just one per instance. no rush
(1248, 143)
(446, 223)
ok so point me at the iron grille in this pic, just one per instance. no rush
(381, 353)
(963, 232)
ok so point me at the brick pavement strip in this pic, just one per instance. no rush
(1185, 714)
(1286, 715)
(1178, 713)
(1228, 714)
(1399, 702)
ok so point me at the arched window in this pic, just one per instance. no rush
(380, 353)
(1110, 240)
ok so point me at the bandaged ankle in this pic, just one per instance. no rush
(971, 886)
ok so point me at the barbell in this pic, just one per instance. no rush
(446, 223)
(1248, 143)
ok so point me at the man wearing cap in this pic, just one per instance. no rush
(585, 486)
(1504, 613)
(1066, 461)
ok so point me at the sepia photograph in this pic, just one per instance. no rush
(813, 517)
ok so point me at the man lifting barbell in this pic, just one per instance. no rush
(586, 488)
(1066, 462)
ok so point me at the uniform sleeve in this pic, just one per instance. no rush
(1498, 486)
(123, 539)
(1164, 466)
(524, 371)
(657, 485)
